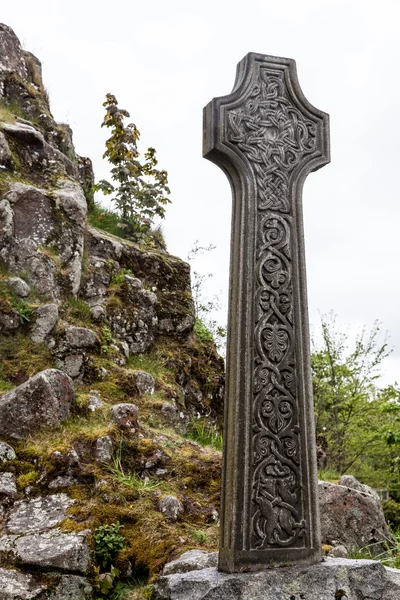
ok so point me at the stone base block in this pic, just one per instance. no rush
(332, 579)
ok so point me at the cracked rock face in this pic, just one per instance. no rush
(333, 579)
(19, 586)
(55, 586)
(12, 58)
(43, 235)
(53, 549)
(38, 514)
(43, 400)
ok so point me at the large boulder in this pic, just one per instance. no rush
(352, 517)
(43, 400)
(333, 579)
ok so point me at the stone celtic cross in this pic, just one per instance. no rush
(267, 137)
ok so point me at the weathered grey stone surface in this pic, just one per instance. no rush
(46, 318)
(38, 514)
(94, 401)
(7, 452)
(125, 416)
(104, 449)
(8, 487)
(18, 286)
(19, 586)
(43, 234)
(52, 549)
(11, 59)
(5, 152)
(267, 138)
(193, 560)
(43, 400)
(351, 482)
(72, 587)
(333, 579)
(9, 320)
(80, 337)
(16, 585)
(145, 382)
(170, 506)
(338, 552)
(352, 518)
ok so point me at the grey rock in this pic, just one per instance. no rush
(38, 514)
(72, 365)
(145, 382)
(18, 286)
(193, 560)
(72, 587)
(6, 452)
(12, 58)
(170, 506)
(43, 400)
(94, 401)
(23, 131)
(15, 585)
(170, 411)
(104, 449)
(332, 579)
(338, 552)
(352, 518)
(98, 313)
(19, 586)
(62, 481)
(351, 482)
(9, 320)
(80, 337)
(8, 486)
(125, 416)
(5, 152)
(29, 218)
(52, 549)
(46, 318)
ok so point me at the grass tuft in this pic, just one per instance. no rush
(204, 433)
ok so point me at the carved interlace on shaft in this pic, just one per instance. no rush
(274, 137)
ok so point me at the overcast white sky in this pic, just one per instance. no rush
(165, 59)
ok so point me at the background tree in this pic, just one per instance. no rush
(140, 191)
(358, 421)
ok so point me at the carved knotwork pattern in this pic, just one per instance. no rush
(274, 136)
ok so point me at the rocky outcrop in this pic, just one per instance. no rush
(352, 517)
(43, 235)
(44, 400)
(193, 560)
(91, 305)
(335, 578)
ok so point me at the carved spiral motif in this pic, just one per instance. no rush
(274, 137)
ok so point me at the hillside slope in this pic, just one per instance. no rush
(102, 378)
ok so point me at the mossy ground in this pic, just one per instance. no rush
(181, 466)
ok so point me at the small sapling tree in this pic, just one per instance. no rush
(140, 191)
